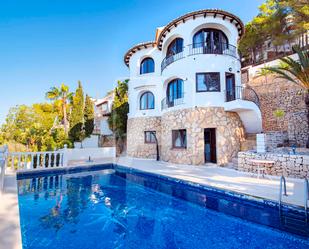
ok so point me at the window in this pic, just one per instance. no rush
(147, 101)
(211, 40)
(147, 66)
(208, 82)
(179, 138)
(175, 47)
(174, 91)
(150, 137)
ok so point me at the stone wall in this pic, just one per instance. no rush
(107, 141)
(298, 128)
(276, 94)
(275, 139)
(136, 146)
(296, 166)
(229, 134)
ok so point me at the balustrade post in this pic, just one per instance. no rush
(55, 159)
(31, 163)
(65, 156)
(49, 160)
(19, 160)
(44, 161)
(37, 160)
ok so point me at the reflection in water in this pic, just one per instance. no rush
(98, 210)
(78, 191)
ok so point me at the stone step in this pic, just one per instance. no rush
(251, 136)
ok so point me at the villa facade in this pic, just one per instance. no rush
(185, 91)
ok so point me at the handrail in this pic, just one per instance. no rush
(244, 93)
(213, 48)
(202, 48)
(282, 182)
(306, 194)
(165, 103)
(172, 58)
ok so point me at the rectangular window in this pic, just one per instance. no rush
(150, 137)
(208, 82)
(179, 138)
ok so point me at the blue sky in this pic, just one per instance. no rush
(44, 43)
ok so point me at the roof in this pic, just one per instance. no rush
(137, 47)
(162, 32)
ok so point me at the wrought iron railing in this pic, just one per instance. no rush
(202, 48)
(244, 93)
(213, 48)
(166, 103)
(171, 58)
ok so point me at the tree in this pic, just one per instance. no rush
(264, 72)
(77, 115)
(296, 71)
(279, 115)
(63, 95)
(118, 119)
(88, 116)
(299, 9)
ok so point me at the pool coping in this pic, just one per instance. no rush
(14, 229)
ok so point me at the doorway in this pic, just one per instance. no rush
(230, 87)
(210, 145)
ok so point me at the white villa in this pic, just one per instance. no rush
(185, 87)
(102, 111)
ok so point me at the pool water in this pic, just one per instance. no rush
(101, 209)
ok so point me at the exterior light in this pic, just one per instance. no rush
(230, 69)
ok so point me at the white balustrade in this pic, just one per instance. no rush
(3, 164)
(36, 160)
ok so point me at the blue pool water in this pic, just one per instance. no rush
(104, 209)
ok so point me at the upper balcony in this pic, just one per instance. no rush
(217, 48)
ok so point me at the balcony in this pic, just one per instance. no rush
(245, 102)
(202, 48)
(242, 93)
(165, 103)
(213, 48)
(171, 58)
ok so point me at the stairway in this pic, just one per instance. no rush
(233, 164)
(249, 143)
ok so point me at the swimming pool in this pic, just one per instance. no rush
(113, 207)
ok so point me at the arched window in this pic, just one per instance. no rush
(211, 40)
(175, 47)
(174, 91)
(147, 101)
(147, 66)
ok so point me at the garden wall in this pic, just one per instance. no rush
(296, 166)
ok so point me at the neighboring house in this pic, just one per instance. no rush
(186, 88)
(102, 111)
(269, 51)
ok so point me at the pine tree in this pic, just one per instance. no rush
(88, 116)
(77, 115)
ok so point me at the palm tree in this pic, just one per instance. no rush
(61, 93)
(296, 71)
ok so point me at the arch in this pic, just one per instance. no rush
(174, 90)
(147, 66)
(147, 101)
(210, 40)
(175, 47)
